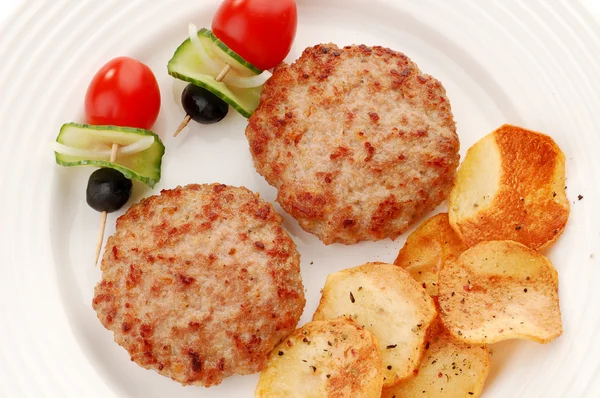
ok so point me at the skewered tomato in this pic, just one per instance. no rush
(124, 92)
(260, 31)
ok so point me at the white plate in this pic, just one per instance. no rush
(526, 63)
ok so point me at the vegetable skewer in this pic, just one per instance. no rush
(122, 103)
(104, 214)
(188, 117)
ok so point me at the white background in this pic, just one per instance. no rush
(8, 6)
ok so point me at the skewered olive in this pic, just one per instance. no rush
(108, 190)
(202, 105)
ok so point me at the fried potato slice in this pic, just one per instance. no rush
(500, 290)
(450, 368)
(333, 358)
(388, 302)
(430, 246)
(510, 186)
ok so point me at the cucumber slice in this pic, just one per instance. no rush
(219, 50)
(143, 165)
(232, 58)
(217, 55)
(202, 43)
(186, 65)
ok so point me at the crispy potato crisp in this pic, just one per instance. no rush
(334, 358)
(388, 302)
(450, 368)
(500, 290)
(430, 246)
(511, 186)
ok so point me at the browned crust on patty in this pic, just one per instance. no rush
(357, 140)
(200, 282)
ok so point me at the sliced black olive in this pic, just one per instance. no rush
(107, 190)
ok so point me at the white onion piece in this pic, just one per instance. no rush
(215, 67)
(201, 51)
(104, 154)
(249, 81)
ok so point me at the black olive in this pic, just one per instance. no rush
(107, 190)
(202, 105)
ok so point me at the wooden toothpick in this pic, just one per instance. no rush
(187, 118)
(103, 215)
(184, 123)
(223, 72)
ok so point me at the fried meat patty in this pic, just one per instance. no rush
(357, 140)
(200, 283)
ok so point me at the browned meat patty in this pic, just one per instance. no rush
(357, 140)
(200, 283)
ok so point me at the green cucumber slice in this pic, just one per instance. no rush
(232, 58)
(143, 166)
(217, 49)
(187, 66)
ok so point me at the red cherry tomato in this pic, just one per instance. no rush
(260, 31)
(124, 92)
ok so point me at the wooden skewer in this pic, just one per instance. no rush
(187, 118)
(184, 123)
(223, 72)
(103, 215)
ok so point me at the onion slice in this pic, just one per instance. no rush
(204, 57)
(215, 67)
(249, 81)
(103, 154)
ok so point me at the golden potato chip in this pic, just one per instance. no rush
(450, 368)
(510, 186)
(388, 302)
(334, 358)
(500, 290)
(431, 245)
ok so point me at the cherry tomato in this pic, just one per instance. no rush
(260, 31)
(124, 92)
